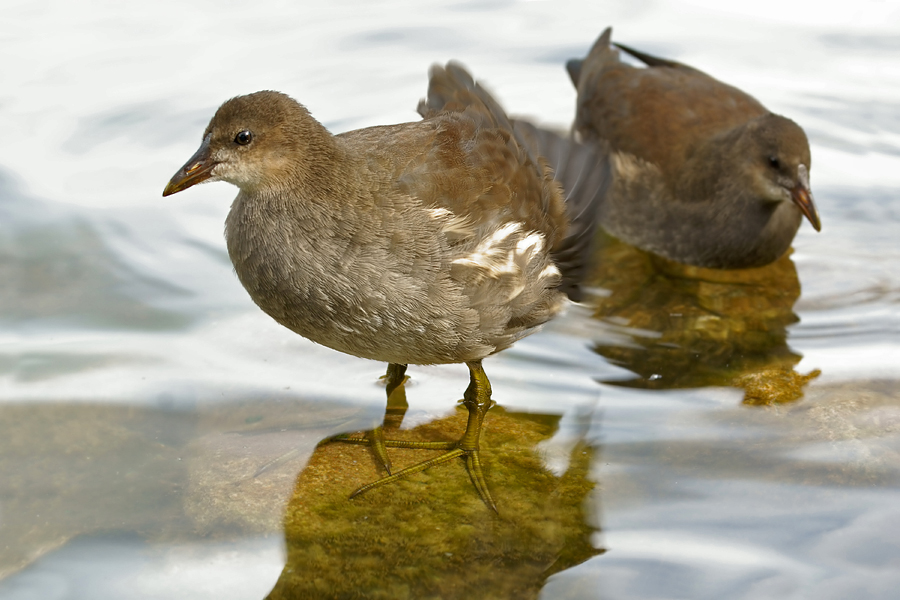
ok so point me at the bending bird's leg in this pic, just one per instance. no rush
(393, 415)
(477, 399)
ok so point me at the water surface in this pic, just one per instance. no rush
(685, 434)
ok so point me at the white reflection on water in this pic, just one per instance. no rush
(117, 295)
(110, 567)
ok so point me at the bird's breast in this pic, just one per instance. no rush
(383, 293)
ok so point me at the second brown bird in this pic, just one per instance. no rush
(703, 173)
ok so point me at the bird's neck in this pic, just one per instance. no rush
(310, 174)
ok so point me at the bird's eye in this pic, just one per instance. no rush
(773, 162)
(243, 138)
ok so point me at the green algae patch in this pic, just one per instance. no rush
(430, 535)
(679, 326)
(774, 386)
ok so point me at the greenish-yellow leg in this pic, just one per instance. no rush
(393, 415)
(477, 400)
(393, 412)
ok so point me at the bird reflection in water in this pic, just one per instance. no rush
(429, 535)
(679, 326)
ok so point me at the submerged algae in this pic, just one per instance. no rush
(679, 326)
(430, 535)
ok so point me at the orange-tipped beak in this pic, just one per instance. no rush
(803, 198)
(196, 170)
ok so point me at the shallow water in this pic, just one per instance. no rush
(685, 434)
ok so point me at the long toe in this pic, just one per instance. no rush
(477, 400)
(411, 470)
(473, 466)
(374, 438)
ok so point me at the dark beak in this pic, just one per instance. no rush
(196, 170)
(802, 197)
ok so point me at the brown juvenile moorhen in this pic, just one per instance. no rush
(703, 174)
(438, 241)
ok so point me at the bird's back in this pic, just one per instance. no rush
(424, 242)
(466, 216)
(661, 113)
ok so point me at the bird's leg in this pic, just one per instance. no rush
(477, 400)
(394, 412)
(393, 415)
(396, 395)
(394, 377)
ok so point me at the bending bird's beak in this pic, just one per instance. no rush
(803, 198)
(196, 170)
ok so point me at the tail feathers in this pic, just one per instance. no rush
(452, 89)
(603, 53)
(603, 42)
(573, 66)
(600, 53)
(583, 170)
(649, 59)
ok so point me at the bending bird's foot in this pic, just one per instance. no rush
(393, 415)
(477, 400)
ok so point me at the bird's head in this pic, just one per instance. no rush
(256, 142)
(777, 161)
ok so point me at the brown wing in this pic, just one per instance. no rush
(659, 113)
(501, 177)
(517, 155)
